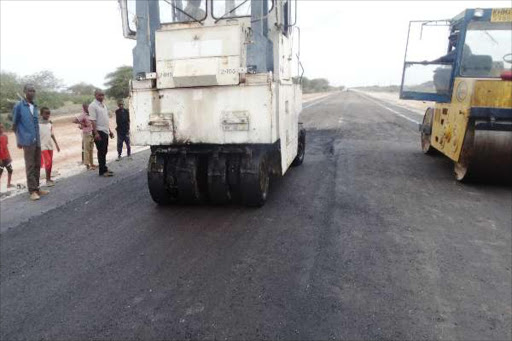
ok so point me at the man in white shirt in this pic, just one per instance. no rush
(98, 114)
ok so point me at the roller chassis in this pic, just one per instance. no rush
(471, 121)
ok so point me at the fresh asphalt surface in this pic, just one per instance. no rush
(369, 239)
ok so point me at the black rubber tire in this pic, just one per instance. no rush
(156, 181)
(301, 149)
(254, 180)
(218, 187)
(187, 180)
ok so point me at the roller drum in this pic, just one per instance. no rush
(486, 155)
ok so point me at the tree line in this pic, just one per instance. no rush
(316, 85)
(52, 93)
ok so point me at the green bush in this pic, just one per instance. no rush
(118, 82)
(5, 119)
(10, 87)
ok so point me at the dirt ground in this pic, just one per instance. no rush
(65, 163)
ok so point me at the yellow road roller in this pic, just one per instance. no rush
(464, 66)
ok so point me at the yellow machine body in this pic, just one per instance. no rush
(450, 122)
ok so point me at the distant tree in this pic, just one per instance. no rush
(118, 82)
(10, 87)
(316, 85)
(48, 91)
(320, 85)
(43, 81)
(82, 89)
(48, 88)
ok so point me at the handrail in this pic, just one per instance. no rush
(127, 32)
(295, 18)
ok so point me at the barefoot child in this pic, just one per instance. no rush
(46, 134)
(5, 157)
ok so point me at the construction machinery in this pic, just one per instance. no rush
(464, 66)
(213, 95)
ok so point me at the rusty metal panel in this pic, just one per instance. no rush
(492, 93)
(451, 119)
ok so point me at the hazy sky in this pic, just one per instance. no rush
(349, 42)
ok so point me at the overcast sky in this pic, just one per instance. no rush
(349, 42)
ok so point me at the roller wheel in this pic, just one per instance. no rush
(486, 156)
(461, 168)
(301, 149)
(428, 120)
(254, 179)
(156, 180)
(218, 187)
(187, 179)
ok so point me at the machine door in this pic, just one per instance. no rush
(428, 68)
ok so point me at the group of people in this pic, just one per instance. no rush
(94, 123)
(37, 139)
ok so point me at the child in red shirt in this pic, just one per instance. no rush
(5, 157)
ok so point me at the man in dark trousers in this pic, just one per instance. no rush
(98, 114)
(25, 119)
(123, 129)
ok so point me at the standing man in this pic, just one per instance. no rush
(98, 114)
(25, 118)
(123, 129)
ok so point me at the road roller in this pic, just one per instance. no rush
(464, 66)
(215, 95)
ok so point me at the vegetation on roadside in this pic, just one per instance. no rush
(310, 86)
(378, 88)
(50, 90)
(52, 93)
(118, 82)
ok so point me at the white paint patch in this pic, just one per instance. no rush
(197, 48)
(195, 309)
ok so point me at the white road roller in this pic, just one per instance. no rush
(214, 96)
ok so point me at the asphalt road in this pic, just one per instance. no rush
(369, 239)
